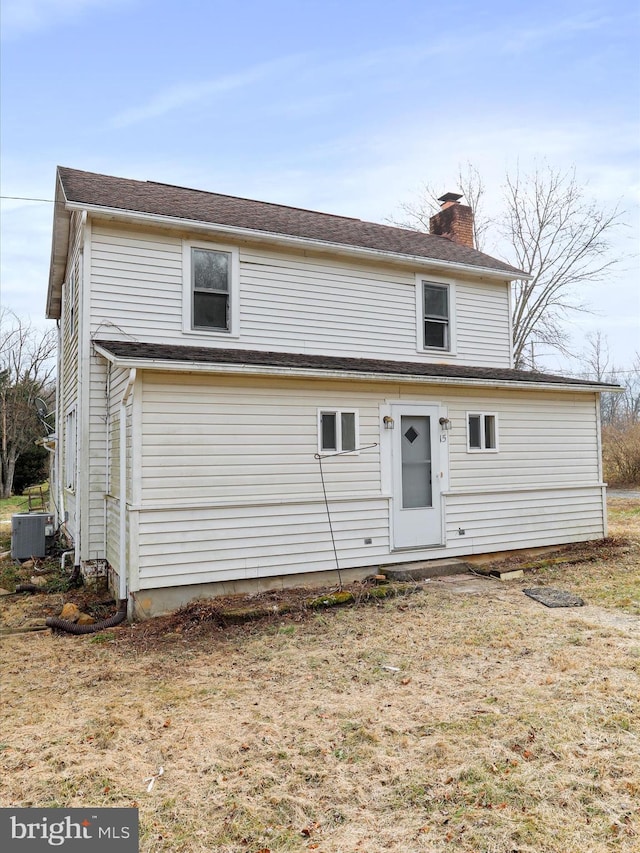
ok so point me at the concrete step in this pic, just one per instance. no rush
(420, 570)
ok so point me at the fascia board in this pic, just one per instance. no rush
(59, 251)
(300, 242)
(170, 366)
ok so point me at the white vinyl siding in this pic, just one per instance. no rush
(508, 519)
(544, 439)
(68, 367)
(482, 324)
(230, 439)
(136, 281)
(98, 431)
(113, 494)
(288, 301)
(232, 463)
(182, 546)
(230, 488)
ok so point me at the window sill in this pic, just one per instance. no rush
(211, 335)
(437, 351)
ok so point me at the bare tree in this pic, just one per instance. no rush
(622, 409)
(596, 357)
(26, 373)
(561, 240)
(551, 232)
(416, 214)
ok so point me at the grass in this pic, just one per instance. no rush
(34, 499)
(442, 721)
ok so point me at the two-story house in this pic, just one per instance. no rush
(252, 395)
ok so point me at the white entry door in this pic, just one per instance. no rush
(417, 510)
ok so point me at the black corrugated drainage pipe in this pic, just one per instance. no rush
(72, 628)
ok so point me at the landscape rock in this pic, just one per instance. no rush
(4, 591)
(70, 612)
(38, 580)
(85, 619)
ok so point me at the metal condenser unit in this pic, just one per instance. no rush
(31, 532)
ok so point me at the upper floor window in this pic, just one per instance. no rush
(210, 277)
(437, 322)
(211, 289)
(435, 316)
(482, 431)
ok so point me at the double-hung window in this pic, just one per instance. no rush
(211, 299)
(482, 431)
(337, 431)
(210, 278)
(436, 316)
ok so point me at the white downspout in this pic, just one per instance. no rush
(123, 484)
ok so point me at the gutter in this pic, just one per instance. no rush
(170, 366)
(123, 484)
(299, 242)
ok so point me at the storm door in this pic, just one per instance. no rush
(416, 477)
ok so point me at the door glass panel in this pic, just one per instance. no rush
(416, 461)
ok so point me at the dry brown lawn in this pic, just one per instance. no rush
(465, 717)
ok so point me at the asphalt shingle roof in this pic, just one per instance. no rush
(303, 361)
(198, 206)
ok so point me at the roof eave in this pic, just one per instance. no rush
(59, 251)
(173, 366)
(303, 242)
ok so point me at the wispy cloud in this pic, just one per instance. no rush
(179, 96)
(531, 38)
(25, 16)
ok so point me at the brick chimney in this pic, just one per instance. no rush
(453, 220)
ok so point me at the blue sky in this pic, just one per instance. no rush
(342, 106)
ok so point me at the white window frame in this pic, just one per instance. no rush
(71, 299)
(187, 290)
(451, 349)
(483, 448)
(327, 410)
(70, 449)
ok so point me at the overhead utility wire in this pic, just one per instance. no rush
(28, 198)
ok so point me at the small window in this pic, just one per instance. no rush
(482, 431)
(436, 316)
(70, 438)
(210, 281)
(337, 431)
(71, 299)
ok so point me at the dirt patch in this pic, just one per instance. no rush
(257, 612)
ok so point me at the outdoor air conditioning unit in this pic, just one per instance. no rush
(30, 534)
